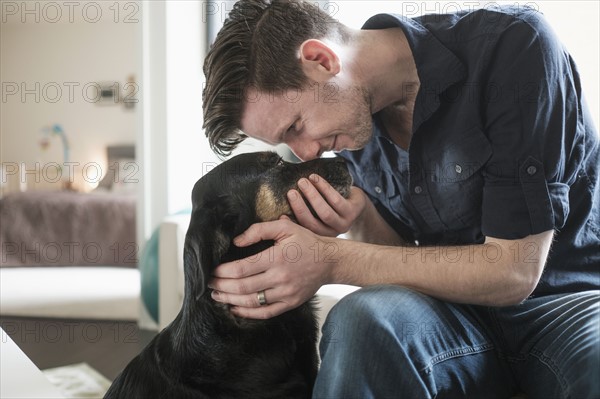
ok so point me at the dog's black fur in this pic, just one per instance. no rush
(206, 352)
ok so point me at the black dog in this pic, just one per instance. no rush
(206, 352)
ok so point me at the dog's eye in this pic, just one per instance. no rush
(280, 161)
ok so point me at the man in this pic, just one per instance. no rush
(475, 220)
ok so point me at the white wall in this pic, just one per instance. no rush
(189, 154)
(47, 57)
(175, 152)
(577, 23)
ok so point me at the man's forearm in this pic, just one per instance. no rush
(496, 273)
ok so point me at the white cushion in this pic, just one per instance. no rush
(329, 295)
(111, 293)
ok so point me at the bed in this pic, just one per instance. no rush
(64, 228)
(69, 254)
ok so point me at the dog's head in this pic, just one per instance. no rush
(246, 189)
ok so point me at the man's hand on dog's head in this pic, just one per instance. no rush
(292, 271)
(336, 214)
(289, 273)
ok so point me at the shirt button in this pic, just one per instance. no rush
(418, 189)
(531, 170)
(378, 189)
(458, 169)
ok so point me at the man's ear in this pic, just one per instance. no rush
(319, 61)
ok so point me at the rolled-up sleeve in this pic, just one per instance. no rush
(532, 117)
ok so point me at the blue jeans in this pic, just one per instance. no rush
(391, 342)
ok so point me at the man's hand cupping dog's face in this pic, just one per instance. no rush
(336, 214)
(301, 261)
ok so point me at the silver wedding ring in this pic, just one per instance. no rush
(262, 300)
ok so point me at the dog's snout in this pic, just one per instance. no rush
(333, 166)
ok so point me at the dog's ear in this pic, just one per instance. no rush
(209, 236)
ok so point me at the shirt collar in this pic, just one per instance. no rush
(438, 68)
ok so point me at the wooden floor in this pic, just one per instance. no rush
(107, 346)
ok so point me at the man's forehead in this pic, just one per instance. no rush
(266, 99)
(263, 114)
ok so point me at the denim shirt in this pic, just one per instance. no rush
(502, 144)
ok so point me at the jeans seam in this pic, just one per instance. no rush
(548, 362)
(500, 335)
(468, 350)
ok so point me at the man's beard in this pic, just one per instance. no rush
(364, 128)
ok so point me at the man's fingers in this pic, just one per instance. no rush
(274, 230)
(299, 207)
(238, 286)
(335, 213)
(262, 312)
(313, 196)
(331, 195)
(305, 217)
(246, 267)
(250, 300)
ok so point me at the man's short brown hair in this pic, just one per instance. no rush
(257, 46)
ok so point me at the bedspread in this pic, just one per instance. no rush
(65, 228)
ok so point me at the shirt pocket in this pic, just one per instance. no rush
(455, 180)
(389, 189)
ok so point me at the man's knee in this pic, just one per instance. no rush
(359, 346)
(383, 309)
(380, 299)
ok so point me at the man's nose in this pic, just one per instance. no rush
(306, 150)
